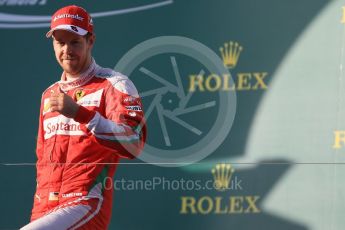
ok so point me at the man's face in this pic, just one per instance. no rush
(72, 51)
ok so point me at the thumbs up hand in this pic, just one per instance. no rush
(64, 104)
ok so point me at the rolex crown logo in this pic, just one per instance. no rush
(230, 54)
(222, 174)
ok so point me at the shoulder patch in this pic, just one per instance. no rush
(123, 84)
(119, 81)
(126, 86)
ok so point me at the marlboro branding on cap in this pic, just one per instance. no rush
(71, 18)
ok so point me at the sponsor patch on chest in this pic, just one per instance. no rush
(92, 99)
(46, 106)
(61, 125)
(54, 196)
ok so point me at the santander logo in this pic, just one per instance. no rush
(39, 20)
(68, 16)
(61, 125)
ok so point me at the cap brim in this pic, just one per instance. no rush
(71, 28)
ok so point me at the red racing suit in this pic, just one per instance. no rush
(77, 158)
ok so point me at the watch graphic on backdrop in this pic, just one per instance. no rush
(171, 103)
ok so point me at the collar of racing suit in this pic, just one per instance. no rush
(81, 80)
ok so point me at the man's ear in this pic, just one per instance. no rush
(92, 39)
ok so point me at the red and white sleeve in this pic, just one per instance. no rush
(122, 127)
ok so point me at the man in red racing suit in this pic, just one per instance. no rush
(78, 149)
